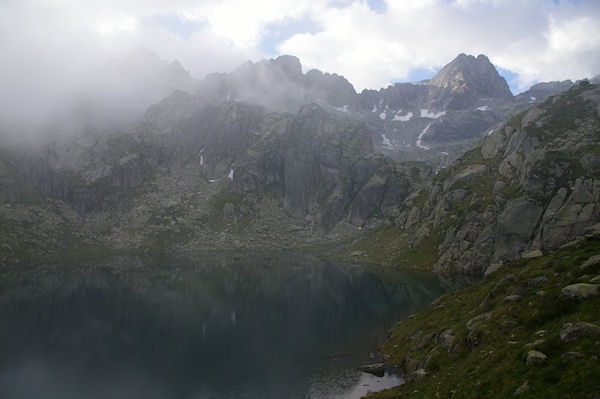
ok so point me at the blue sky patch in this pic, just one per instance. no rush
(276, 33)
(419, 74)
(174, 24)
(340, 3)
(416, 75)
(378, 6)
(511, 78)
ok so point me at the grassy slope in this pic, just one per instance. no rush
(489, 358)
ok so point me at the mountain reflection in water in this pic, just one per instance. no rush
(224, 326)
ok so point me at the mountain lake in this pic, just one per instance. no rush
(225, 325)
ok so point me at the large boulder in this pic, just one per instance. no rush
(580, 291)
(573, 331)
(535, 357)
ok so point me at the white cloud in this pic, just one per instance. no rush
(243, 22)
(48, 45)
(537, 39)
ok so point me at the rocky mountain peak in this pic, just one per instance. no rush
(289, 65)
(472, 78)
(280, 85)
(282, 68)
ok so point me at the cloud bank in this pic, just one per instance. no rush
(49, 47)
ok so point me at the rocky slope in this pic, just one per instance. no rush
(531, 187)
(193, 175)
(540, 91)
(529, 330)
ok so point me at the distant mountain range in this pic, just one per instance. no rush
(425, 120)
(432, 120)
(422, 121)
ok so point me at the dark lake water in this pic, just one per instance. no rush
(228, 325)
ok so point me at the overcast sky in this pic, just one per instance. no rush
(48, 45)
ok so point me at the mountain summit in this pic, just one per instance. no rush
(279, 85)
(470, 79)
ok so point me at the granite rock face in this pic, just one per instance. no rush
(320, 165)
(470, 79)
(433, 119)
(531, 187)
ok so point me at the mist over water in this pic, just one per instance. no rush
(223, 326)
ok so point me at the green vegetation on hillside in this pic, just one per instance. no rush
(475, 343)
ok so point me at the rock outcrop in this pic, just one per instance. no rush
(531, 187)
(196, 175)
(468, 80)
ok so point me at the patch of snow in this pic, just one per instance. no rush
(404, 118)
(201, 160)
(408, 145)
(420, 138)
(374, 108)
(387, 142)
(230, 175)
(444, 153)
(213, 180)
(380, 101)
(343, 109)
(490, 132)
(432, 115)
(532, 98)
(483, 108)
(382, 115)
